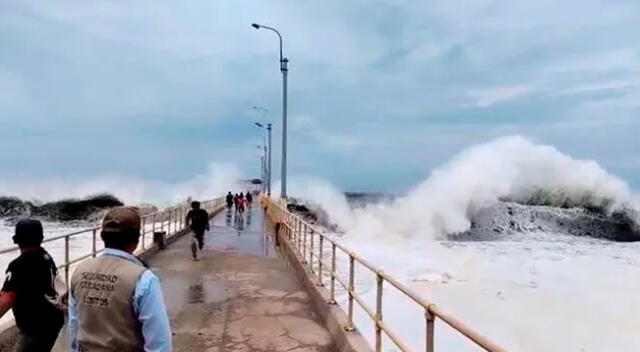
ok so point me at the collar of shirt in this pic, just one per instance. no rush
(122, 254)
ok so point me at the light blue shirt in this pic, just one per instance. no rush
(148, 305)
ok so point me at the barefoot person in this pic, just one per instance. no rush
(116, 302)
(28, 290)
(198, 221)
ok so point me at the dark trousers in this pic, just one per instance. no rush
(199, 235)
(42, 342)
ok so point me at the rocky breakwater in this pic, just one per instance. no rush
(87, 209)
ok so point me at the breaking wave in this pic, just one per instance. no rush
(506, 186)
(214, 182)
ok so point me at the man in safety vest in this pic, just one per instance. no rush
(116, 303)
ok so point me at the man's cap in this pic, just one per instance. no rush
(28, 230)
(121, 219)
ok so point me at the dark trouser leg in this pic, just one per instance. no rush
(194, 249)
(200, 238)
(38, 343)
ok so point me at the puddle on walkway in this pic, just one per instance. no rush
(180, 291)
(242, 233)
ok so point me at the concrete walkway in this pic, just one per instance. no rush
(239, 296)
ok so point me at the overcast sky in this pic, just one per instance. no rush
(380, 91)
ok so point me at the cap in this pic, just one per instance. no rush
(28, 232)
(121, 219)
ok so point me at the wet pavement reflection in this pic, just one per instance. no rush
(196, 293)
(243, 233)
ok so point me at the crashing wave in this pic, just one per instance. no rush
(62, 210)
(463, 195)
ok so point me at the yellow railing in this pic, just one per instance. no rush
(310, 245)
(170, 220)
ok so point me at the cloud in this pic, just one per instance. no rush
(487, 97)
(134, 87)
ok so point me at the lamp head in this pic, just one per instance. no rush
(259, 124)
(255, 25)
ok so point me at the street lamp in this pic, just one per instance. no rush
(263, 168)
(267, 156)
(283, 68)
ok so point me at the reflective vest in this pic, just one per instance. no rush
(103, 288)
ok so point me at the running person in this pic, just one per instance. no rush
(229, 200)
(242, 205)
(198, 221)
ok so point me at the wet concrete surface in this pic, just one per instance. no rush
(239, 296)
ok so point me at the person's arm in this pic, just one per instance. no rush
(206, 217)
(188, 219)
(152, 314)
(7, 300)
(73, 322)
(12, 284)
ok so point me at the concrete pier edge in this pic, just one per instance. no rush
(332, 315)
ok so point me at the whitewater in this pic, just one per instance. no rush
(486, 237)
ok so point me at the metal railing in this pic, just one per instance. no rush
(169, 220)
(310, 245)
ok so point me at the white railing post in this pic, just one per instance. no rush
(332, 297)
(94, 250)
(378, 319)
(66, 260)
(304, 245)
(299, 239)
(349, 326)
(430, 329)
(311, 233)
(144, 233)
(320, 260)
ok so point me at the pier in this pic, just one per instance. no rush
(239, 295)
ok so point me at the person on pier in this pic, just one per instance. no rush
(198, 221)
(116, 303)
(29, 290)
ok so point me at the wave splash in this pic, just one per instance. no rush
(214, 182)
(458, 197)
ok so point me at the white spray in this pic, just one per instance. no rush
(215, 182)
(506, 168)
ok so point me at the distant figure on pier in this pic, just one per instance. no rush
(229, 200)
(242, 205)
(236, 201)
(116, 303)
(28, 289)
(249, 198)
(198, 221)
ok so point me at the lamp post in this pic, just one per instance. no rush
(267, 155)
(263, 169)
(284, 69)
